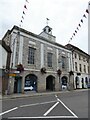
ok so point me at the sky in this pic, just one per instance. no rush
(64, 17)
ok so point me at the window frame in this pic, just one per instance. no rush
(49, 59)
(63, 62)
(76, 68)
(31, 55)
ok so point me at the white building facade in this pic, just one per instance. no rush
(81, 67)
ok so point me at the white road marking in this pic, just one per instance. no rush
(67, 108)
(25, 106)
(42, 117)
(56, 96)
(37, 104)
(51, 108)
(8, 111)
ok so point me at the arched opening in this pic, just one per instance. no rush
(89, 80)
(50, 83)
(82, 82)
(64, 82)
(77, 81)
(89, 83)
(30, 83)
(86, 80)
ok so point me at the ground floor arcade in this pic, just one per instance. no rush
(35, 81)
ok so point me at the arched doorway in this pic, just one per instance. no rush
(64, 82)
(30, 83)
(77, 81)
(86, 80)
(50, 83)
(82, 82)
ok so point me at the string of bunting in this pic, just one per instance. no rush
(24, 12)
(22, 18)
(79, 25)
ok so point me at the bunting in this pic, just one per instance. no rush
(75, 31)
(77, 28)
(74, 34)
(22, 17)
(24, 12)
(81, 20)
(21, 21)
(25, 6)
(87, 11)
(79, 25)
(84, 16)
(27, 1)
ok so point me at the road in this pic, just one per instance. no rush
(72, 104)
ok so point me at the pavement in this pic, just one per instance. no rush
(33, 93)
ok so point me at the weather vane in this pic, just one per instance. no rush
(47, 21)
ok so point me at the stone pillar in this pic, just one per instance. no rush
(11, 85)
(57, 84)
(60, 83)
(71, 82)
(23, 82)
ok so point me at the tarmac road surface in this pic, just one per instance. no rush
(72, 104)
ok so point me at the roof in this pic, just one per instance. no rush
(72, 47)
(34, 35)
(7, 48)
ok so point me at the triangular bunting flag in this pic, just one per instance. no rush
(22, 17)
(27, 1)
(74, 34)
(25, 7)
(75, 31)
(84, 16)
(79, 25)
(77, 28)
(81, 20)
(87, 11)
(21, 21)
(23, 12)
